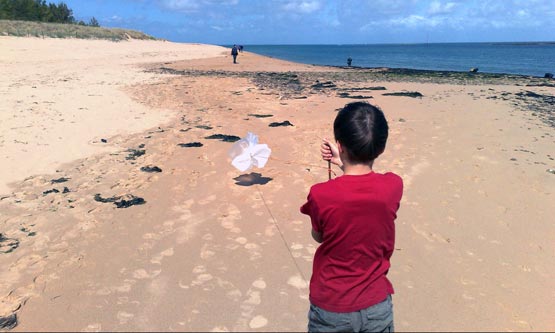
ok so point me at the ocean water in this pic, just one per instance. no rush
(534, 59)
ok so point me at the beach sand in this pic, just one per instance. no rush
(215, 249)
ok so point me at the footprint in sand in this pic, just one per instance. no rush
(96, 327)
(141, 274)
(249, 305)
(260, 284)
(206, 252)
(157, 259)
(258, 322)
(126, 286)
(207, 200)
(297, 281)
(253, 250)
(201, 279)
(241, 240)
(124, 317)
(230, 215)
(467, 282)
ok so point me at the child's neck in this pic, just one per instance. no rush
(357, 169)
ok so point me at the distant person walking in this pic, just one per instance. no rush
(349, 61)
(234, 53)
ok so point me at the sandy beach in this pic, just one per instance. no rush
(200, 246)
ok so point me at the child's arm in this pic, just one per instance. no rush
(317, 236)
(330, 153)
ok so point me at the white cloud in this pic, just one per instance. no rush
(413, 21)
(222, 2)
(190, 6)
(437, 8)
(522, 13)
(180, 5)
(305, 7)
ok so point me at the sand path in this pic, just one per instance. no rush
(60, 99)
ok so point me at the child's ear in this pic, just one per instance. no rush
(339, 147)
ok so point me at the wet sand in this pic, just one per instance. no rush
(214, 249)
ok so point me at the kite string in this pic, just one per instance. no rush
(281, 234)
(328, 168)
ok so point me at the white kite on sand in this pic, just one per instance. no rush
(247, 153)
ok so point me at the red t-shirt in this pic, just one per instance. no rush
(355, 215)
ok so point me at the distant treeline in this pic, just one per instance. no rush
(39, 11)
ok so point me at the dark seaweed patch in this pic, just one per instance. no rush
(8, 322)
(260, 115)
(59, 180)
(294, 83)
(131, 202)
(134, 153)
(99, 198)
(366, 88)
(190, 144)
(413, 94)
(539, 105)
(204, 127)
(547, 99)
(323, 85)
(347, 95)
(7, 245)
(151, 168)
(128, 201)
(223, 137)
(283, 123)
(50, 191)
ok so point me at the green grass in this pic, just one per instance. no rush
(57, 30)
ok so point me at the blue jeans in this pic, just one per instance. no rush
(377, 318)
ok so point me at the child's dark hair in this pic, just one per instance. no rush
(362, 130)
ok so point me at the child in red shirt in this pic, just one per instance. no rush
(353, 218)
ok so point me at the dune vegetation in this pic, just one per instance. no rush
(63, 30)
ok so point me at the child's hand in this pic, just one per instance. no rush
(330, 152)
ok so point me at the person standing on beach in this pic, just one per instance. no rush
(349, 61)
(234, 53)
(353, 218)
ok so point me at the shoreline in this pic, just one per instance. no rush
(201, 251)
(493, 58)
(435, 72)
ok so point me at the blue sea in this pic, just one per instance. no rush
(534, 59)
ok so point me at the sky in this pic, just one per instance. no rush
(248, 22)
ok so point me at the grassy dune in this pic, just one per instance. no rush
(57, 30)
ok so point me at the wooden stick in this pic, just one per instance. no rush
(329, 170)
